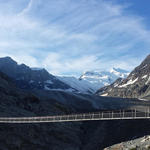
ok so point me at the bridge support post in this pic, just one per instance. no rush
(75, 117)
(92, 116)
(102, 115)
(145, 113)
(83, 116)
(148, 112)
(132, 113)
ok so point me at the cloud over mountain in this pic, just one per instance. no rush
(79, 34)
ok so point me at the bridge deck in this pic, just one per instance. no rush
(106, 115)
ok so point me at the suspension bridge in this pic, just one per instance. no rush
(103, 115)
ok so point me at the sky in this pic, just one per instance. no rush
(69, 37)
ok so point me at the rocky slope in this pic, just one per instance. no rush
(136, 85)
(15, 102)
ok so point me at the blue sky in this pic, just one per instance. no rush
(68, 37)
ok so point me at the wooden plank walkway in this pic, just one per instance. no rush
(104, 115)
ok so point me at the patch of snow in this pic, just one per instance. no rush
(31, 81)
(144, 66)
(147, 80)
(144, 76)
(119, 72)
(106, 94)
(142, 99)
(49, 82)
(116, 85)
(128, 83)
(46, 88)
(69, 90)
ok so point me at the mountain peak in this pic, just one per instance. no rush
(146, 61)
(103, 78)
(7, 59)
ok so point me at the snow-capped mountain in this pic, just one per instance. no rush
(136, 85)
(103, 78)
(91, 81)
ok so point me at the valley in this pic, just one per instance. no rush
(24, 100)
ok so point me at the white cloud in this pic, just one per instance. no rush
(27, 8)
(60, 64)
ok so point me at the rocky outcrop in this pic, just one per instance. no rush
(135, 144)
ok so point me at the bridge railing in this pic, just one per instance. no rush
(103, 115)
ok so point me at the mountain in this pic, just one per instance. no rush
(91, 81)
(31, 78)
(103, 78)
(136, 85)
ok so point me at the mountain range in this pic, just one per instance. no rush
(136, 85)
(39, 78)
(113, 83)
(16, 102)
